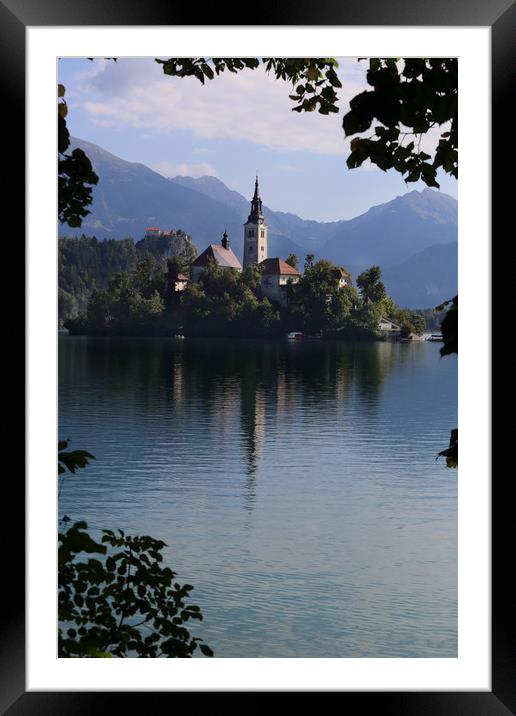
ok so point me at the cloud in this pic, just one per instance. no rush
(287, 168)
(250, 106)
(167, 169)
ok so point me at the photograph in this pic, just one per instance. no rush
(242, 334)
(257, 319)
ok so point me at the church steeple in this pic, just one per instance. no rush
(255, 231)
(256, 214)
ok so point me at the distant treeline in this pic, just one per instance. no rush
(432, 318)
(86, 264)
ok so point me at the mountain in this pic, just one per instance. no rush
(215, 189)
(306, 234)
(389, 233)
(425, 279)
(130, 197)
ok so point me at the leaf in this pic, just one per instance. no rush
(313, 73)
(75, 459)
(452, 452)
(449, 329)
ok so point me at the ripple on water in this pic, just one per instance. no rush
(296, 487)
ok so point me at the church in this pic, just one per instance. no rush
(277, 274)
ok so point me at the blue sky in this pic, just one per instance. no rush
(231, 128)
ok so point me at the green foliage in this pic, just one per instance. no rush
(309, 261)
(452, 452)
(132, 301)
(410, 322)
(73, 460)
(116, 599)
(67, 305)
(316, 301)
(292, 260)
(418, 324)
(407, 99)
(86, 266)
(450, 332)
(174, 268)
(432, 318)
(373, 293)
(364, 322)
(313, 79)
(225, 304)
(75, 173)
(450, 327)
(371, 287)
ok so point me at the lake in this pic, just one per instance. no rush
(295, 484)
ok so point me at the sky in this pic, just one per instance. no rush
(233, 127)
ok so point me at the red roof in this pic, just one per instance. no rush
(278, 267)
(181, 277)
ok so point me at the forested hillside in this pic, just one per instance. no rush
(85, 263)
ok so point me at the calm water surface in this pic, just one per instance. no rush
(295, 484)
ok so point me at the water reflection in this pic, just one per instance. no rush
(236, 391)
(296, 484)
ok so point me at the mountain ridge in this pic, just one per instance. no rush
(130, 196)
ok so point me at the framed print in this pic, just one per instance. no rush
(426, 624)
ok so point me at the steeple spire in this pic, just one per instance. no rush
(256, 215)
(225, 239)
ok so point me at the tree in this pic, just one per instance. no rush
(317, 303)
(292, 260)
(372, 288)
(418, 324)
(408, 98)
(118, 600)
(309, 261)
(75, 173)
(121, 602)
(226, 302)
(174, 268)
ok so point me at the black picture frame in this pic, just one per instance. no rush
(500, 16)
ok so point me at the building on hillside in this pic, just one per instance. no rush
(386, 325)
(154, 232)
(255, 232)
(343, 277)
(181, 282)
(276, 276)
(221, 253)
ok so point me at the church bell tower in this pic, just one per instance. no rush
(255, 232)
